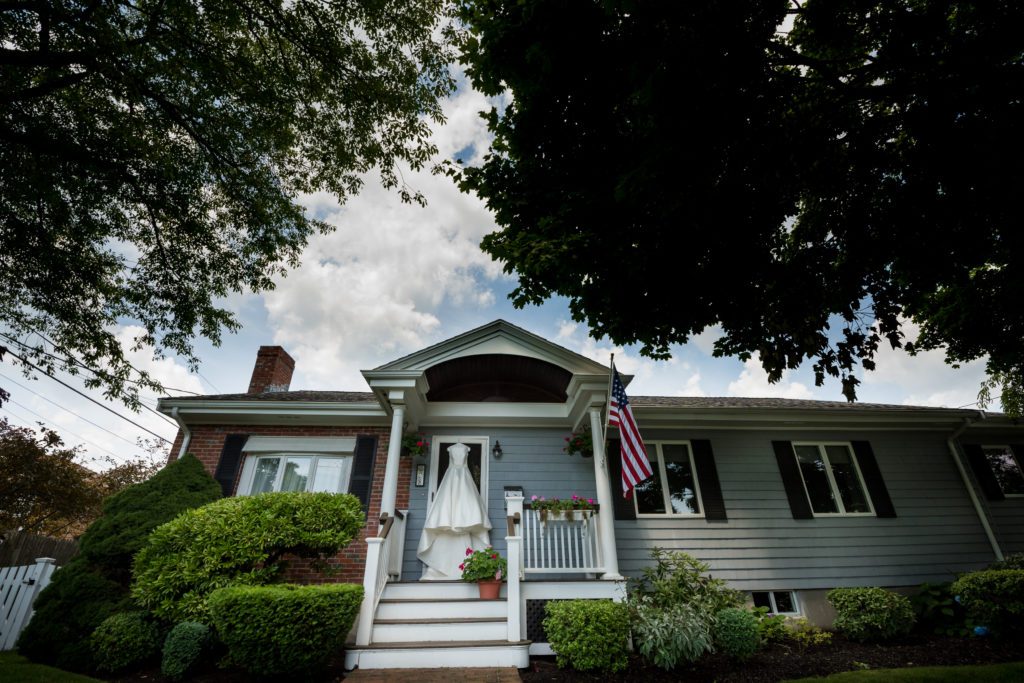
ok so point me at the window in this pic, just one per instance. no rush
(673, 490)
(1006, 468)
(287, 472)
(832, 479)
(777, 602)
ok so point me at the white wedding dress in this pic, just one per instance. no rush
(457, 520)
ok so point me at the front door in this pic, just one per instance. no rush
(476, 461)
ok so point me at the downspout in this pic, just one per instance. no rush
(186, 435)
(955, 452)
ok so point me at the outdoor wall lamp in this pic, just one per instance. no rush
(496, 450)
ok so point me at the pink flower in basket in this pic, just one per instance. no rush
(469, 551)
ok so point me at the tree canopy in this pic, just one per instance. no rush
(670, 167)
(153, 152)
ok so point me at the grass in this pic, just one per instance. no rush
(16, 669)
(990, 673)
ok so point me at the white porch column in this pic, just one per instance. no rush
(390, 492)
(606, 519)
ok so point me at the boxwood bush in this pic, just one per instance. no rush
(588, 635)
(993, 598)
(871, 614)
(238, 541)
(124, 641)
(184, 649)
(736, 633)
(284, 630)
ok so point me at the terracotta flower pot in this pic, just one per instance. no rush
(489, 590)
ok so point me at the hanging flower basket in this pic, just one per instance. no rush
(581, 443)
(415, 444)
(575, 509)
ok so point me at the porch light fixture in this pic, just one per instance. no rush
(496, 450)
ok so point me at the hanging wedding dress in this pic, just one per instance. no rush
(457, 520)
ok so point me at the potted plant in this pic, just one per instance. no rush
(415, 444)
(579, 442)
(487, 568)
(576, 508)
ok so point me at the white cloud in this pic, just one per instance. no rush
(167, 371)
(692, 386)
(753, 382)
(705, 341)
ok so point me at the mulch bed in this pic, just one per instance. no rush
(778, 663)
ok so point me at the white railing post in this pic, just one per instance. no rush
(514, 543)
(364, 630)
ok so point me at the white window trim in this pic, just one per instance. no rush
(773, 609)
(1020, 466)
(663, 474)
(249, 469)
(832, 480)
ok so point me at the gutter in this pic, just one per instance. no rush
(955, 452)
(186, 434)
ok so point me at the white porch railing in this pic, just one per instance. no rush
(19, 587)
(561, 542)
(389, 543)
(514, 545)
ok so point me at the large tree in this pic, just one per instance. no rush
(674, 166)
(153, 152)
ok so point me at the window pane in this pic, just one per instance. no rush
(784, 601)
(818, 489)
(682, 492)
(1006, 468)
(266, 474)
(329, 475)
(649, 499)
(296, 474)
(845, 473)
(761, 599)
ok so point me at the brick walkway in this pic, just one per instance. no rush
(490, 675)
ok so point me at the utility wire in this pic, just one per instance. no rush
(57, 426)
(65, 410)
(86, 396)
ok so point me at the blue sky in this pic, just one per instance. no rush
(394, 277)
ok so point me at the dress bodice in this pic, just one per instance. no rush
(457, 455)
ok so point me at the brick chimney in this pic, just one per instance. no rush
(273, 370)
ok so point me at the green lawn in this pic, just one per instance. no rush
(992, 673)
(16, 669)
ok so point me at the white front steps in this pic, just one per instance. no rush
(438, 624)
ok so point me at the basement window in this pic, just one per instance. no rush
(777, 602)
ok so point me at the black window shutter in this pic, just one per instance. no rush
(873, 479)
(792, 481)
(623, 507)
(707, 478)
(983, 472)
(362, 469)
(230, 460)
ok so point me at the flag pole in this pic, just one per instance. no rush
(608, 403)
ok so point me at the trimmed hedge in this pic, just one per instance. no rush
(238, 541)
(284, 629)
(589, 635)
(736, 633)
(94, 585)
(993, 598)
(871, 614)
(184, 649)
(124, 641)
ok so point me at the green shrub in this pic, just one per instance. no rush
(806, 634)
(667, 635)
(1013, 561)
(871, 614)
(938, 612)
(994, 598)
(284, 629)
(238, 541)
(771, 627)
(94, 585)
(184, 649)
(588, 635)
(124, 641)
(736, 633)
(678, 578)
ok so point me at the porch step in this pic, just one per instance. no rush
(426, 655)
(434, 608)
(432, 590)
(439, 630)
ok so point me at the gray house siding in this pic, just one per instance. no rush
(935, 533)
(533, 459)
(1005, 516)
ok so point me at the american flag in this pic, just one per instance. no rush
(635, 465)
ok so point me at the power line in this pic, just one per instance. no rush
(90, 398)
(54, 424)
(64, 409)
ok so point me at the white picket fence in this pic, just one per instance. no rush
(19, 587)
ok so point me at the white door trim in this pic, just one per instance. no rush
(485, 457)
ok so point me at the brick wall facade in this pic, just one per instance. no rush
(208, 442)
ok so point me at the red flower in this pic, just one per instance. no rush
(469, 551)
(494, 557)
(462, 566)
(419, 444)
